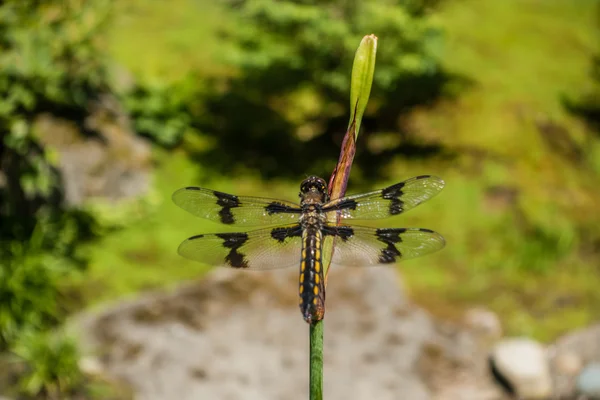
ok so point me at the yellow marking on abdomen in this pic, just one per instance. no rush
(316, 290)
(315, 301)
(303, 265)
(318, 254)
(317, 279)
(302, 278)
(301, 289)
(317, 266)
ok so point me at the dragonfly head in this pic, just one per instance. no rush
(314, 189)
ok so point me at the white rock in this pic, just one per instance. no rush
(522, 362)
(483, 321)
(91, 365)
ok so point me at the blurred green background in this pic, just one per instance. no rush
(108, 107)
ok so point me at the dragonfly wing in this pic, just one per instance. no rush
(387, 202)
(363, 246)
(230, 209)
(261, 249)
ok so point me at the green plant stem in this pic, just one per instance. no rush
(362, 79)
(316, 361)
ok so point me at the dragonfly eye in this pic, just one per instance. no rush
(313, 183)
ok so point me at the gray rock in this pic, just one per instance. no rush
(567, 363)
(583, 344)
(484, 322)
(91, 365)
(588, 382)
(114, 164)
(239, 335)
(523, 364)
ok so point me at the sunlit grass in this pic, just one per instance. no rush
(522, 57)
(162, 41)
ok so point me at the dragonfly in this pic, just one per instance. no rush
(299, 234)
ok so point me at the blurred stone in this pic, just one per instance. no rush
(588, 382)
(522, 363)
(484, 322)
(461, 392)
(568, 363)
(583, 344)
(91, 365)
(238, 335)
(99, 158)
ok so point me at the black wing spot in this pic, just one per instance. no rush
(396, 206)
(390, 234)
(234, 241)
(389, 254)
(280, 234)
(426, 230)
(196, 237)
(393, 193)
(192, 188)
(278, 208)
(390, 237)
(227, 202)
(343, 232)
(236, 260)
(422, 176)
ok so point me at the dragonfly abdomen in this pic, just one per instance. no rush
(312, 285)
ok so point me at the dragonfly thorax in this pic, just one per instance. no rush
(312, 215)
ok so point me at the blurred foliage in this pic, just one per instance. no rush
(51, 365)
(28, 291)
(290, 95)
(49, 63)
(159, 113)
(588, 103)
(30, 273)
(49, 59)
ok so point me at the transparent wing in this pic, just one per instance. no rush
(386, 202)
(239, 210)
(358, 246)
(261, 249)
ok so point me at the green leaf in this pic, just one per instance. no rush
(362, 80)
